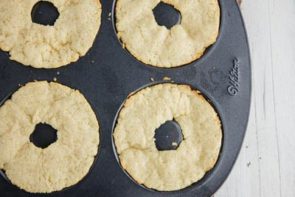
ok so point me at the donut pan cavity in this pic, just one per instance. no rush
(108, 74)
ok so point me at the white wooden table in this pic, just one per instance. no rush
(266, 165)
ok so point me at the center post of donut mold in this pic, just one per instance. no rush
(166, 15)
(168, 136)
(43, 135)
(44, 13)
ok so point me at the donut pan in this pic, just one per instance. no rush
(108, 74)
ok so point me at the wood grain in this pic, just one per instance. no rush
(266, 165)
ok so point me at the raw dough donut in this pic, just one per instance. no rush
(147, 110)
(63, 163)
(158, 46)
(48, 46)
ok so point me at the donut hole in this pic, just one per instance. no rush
(43, 135)
(166, 15)
(168, 136)
(44, 13)
(3, 174)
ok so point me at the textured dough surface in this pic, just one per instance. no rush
(48, 46)
(147, 110)
(158, 46)
(61, 164)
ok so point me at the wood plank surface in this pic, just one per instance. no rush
(266, 165)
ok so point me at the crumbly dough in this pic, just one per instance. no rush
(171, 170)
(48, 46)
(64, 162)
(158, 46)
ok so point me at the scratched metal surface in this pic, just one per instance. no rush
(108, 74)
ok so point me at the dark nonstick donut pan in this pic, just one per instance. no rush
(108, 74)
